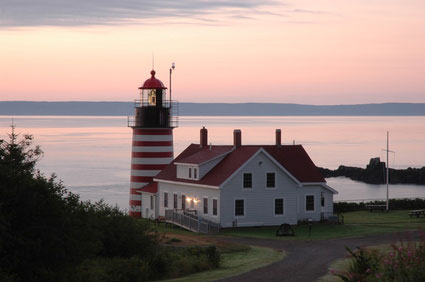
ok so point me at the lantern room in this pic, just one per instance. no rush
(153, 92)
(153, 110)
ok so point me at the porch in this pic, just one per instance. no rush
(191, 222)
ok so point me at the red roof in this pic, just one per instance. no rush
(292, 157)
(206, 154)
(150, 188)
(153, 83)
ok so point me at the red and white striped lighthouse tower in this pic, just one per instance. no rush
(152, 147)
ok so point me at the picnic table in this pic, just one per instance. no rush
(376, 207)
(417, 213)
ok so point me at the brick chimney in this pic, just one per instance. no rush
(237, 138)
(204, 137)
(278, 138)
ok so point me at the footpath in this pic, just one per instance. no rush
(308, 260)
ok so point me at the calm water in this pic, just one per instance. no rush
(91, 155)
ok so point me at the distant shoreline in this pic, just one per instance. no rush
(81, 108)
(375, 173)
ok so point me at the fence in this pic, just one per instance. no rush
(191, 222)
(332, 217)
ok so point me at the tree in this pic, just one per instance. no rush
(46, 232)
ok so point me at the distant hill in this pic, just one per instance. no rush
(212, 109)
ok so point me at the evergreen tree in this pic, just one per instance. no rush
(46, 232)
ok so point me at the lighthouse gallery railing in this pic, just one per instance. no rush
(173, 105)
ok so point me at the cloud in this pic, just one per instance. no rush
(304, 11)
(22, 13)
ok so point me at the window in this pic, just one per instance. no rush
(190, 172)
(195, 173)
(214, 206)
(239, 207)
(309, 203)
(205, 205)
(151, 202)
(175, 201)
(183, 202)
(270, 180)
(278, 206)
(152, 97)
(322, 200)
(247, 180)
(165, 200)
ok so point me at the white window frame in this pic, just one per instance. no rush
(314, 203)
(168, 202)
(193, 172)
(212, 209)
(185, 204)
(275, 180)
(234, 208)
(177, 201)
(252, 181)
(203, 205)
(274, 207)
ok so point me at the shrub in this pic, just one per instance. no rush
(395, 204)
(406, 262)
(103, 269)
(48, 234)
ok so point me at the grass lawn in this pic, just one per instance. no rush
(356, 224)
(235, 263)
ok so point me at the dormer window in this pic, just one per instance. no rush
(192, 172)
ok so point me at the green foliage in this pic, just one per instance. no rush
(19, 157)
(102, 269)
(174, 240)
(48, 234)
(364, 264)
(182, 261)
(395, 204)
(406, 262)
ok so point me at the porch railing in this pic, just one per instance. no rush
(191, 222)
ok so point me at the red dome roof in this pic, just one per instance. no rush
(153, 83)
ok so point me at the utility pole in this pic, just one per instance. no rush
(173, 66)
(388, 169)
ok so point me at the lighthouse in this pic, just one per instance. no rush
(152, 146)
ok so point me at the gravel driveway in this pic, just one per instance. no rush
(308, 260)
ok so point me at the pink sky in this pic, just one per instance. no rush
(305, 51)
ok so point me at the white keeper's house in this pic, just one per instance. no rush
(240, 185)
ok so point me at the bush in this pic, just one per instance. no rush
(406, 262)
(395, 204)
(103, 269)
(46, 232)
